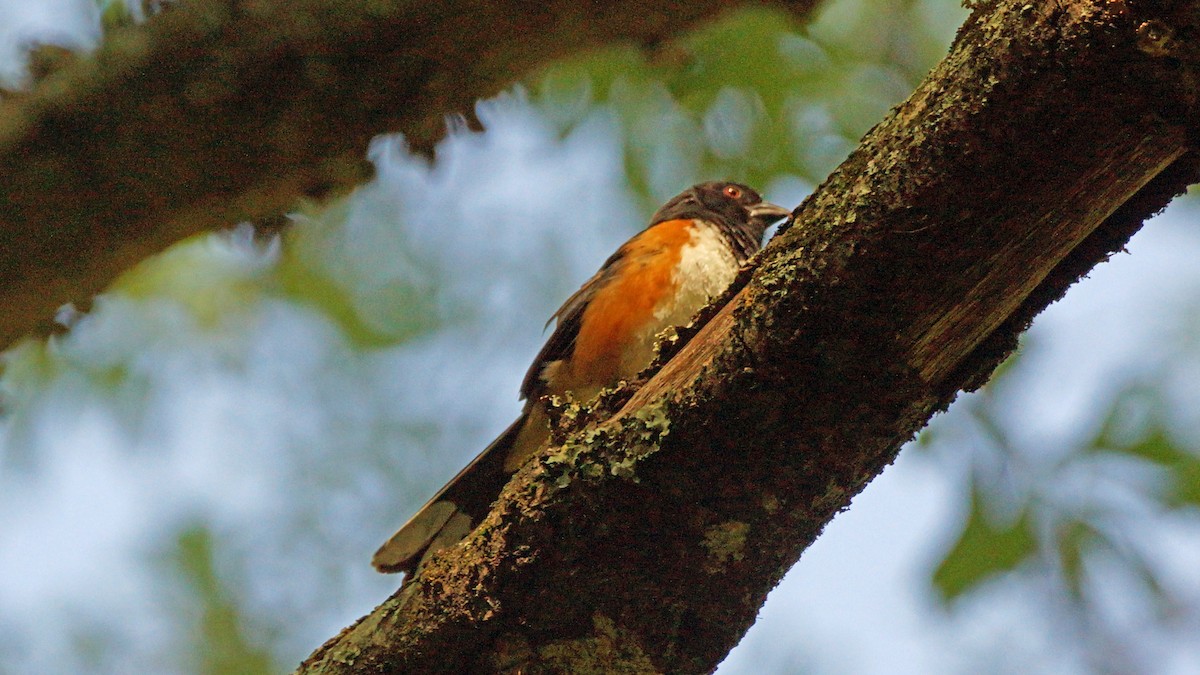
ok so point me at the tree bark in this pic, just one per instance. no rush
(227, 110)
(648, 537)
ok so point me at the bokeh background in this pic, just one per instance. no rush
(194, 476)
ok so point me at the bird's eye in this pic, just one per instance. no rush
(733, 192)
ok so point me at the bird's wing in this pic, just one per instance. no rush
(462, 502)
(568, 319)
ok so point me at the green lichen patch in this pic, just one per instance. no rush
(609, 649)
(614, 449)
(725, 543)
(770, 503)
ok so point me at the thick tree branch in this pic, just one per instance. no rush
(227, 110)
(648, 541)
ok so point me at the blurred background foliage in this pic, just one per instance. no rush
(194, 474)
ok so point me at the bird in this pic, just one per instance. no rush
(604, 333)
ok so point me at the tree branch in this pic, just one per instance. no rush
(647, 541)
(221, 110)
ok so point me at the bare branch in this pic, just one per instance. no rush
(647, 542)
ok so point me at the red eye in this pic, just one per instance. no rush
(733, 192)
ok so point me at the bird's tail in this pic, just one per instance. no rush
(454, 510)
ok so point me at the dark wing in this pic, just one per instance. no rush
(569, 317)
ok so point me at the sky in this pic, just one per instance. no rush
(236, 411)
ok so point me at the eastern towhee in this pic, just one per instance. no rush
(605, 333)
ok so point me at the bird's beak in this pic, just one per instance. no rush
(769, 212)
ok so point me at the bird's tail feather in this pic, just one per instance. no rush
(453, 511)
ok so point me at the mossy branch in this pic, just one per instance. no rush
(220, 111)
(648, 541)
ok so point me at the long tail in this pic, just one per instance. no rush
(454, 510)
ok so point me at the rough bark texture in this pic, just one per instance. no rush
(647, 541)
(227, 110)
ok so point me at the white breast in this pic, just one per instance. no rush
(706, 268)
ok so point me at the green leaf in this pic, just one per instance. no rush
(115, 14)
(1185, 479)
(220, 642)
(1156, 446)
(983, 550)
(1074, 541)
(1134, 427)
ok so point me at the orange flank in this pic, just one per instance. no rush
(621, 308)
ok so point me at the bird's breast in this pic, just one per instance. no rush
(673, 269)
(705, 269)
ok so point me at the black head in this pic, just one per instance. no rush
(723, 202)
